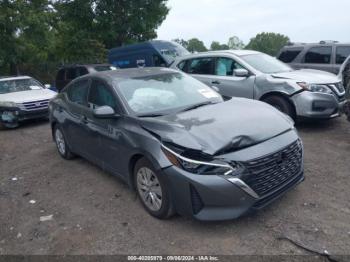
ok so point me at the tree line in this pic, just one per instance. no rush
(269, 43)
(37, 36)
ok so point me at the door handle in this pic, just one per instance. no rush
(216, 82)
(84, 119)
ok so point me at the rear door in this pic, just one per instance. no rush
(319, 57)
(202, 68)
(74, 126)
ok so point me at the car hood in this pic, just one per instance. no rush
(27, 96)
(220, 128)
(309, 76)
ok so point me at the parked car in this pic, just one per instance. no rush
(70, 72)
(344, 73)
(22, 98)
(300, 94)
(178, 143)
(326, 55)
(151, 53)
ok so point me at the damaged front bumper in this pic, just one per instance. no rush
(313, 105)
(12, 116)
(219, 197)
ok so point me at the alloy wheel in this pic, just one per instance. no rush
(149, 188)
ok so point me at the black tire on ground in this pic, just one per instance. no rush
(63, 151)
(282, 104)
(167, 208)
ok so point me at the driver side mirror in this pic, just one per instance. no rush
(241, 72)
(104, 112)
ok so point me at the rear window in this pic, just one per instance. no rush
(342, 53)
(318, 55)
(289, 55)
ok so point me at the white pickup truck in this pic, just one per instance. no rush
(22, 98)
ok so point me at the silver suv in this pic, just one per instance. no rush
(326, 55)
(251, 74)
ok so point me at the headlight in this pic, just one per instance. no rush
(315, 88)
(198, 167)
(7, 104)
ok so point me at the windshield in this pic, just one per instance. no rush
(165, 93)
(18, 85)
(171, 51)
(104, 68)
(266, 64)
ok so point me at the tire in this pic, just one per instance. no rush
(281, 104)
(61, 144)
(158, 193)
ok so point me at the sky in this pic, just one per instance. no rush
(218, 20)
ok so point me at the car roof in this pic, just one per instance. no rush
(130, 73)
(6, 78)
(84, 65)
(322, 43)
(221, 52)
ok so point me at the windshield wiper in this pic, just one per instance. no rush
(151, 115)
(197, 105)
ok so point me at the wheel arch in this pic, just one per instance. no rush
(280, 94)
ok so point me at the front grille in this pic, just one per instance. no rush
(338, 89)
(34, 105)
(269, 173)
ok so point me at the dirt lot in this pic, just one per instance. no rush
(95, 213)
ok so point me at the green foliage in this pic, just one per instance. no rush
(235, 43)
(181, 41)
(217, 46)
(120, 22)
(47, 33)
(195, 45)
(269, 43)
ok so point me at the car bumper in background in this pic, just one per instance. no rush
(11, 117)
(317, 105)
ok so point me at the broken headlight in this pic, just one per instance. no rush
(315, 88)
(198, 167)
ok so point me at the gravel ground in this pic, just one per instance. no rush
(95, 213)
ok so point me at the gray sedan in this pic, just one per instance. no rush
(242, 73)
(178, 143)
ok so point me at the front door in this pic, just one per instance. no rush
(108, 139)
(227, 83)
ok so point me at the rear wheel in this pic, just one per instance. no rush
(152, 190)
(61, 144)
(281, 104)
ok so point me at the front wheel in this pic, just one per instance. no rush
(61, 144)
(281, 104)
(152, 190)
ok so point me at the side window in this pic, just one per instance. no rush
(182, 66)
(71, 74)
(319, 55)
(342, 53)
(225, 66)
(202, 66)
(158, 61)
(100, 95)
(60, 75)
(77, 92)
(289, 55)
(81, 71)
